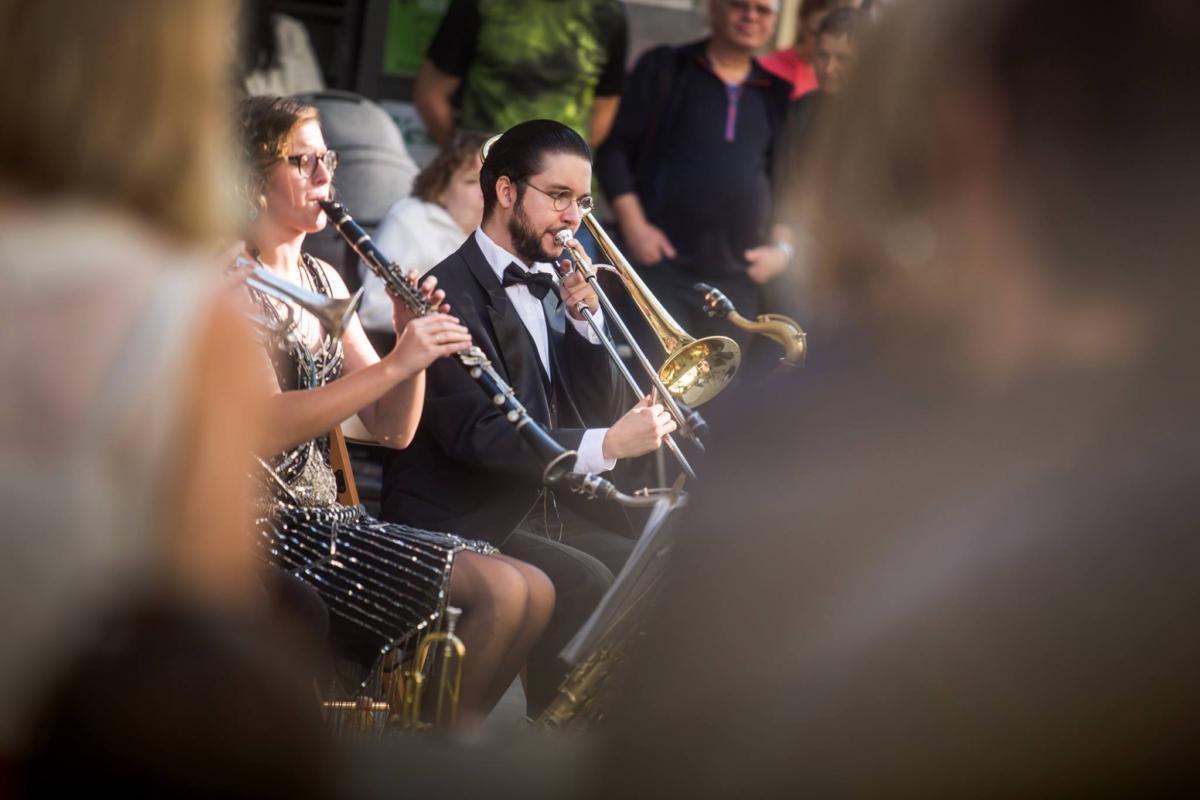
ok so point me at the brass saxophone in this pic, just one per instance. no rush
(777, 327)
(585, 694)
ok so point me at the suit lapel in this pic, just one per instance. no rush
(555, 316)
(513, 342)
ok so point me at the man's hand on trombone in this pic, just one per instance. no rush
(640, 431)
(574, 289)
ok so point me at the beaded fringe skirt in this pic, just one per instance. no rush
(387, 580)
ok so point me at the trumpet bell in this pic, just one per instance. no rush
(697, 372)
(334, 314)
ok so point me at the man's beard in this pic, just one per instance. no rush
(526, 241)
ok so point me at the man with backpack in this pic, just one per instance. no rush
(687, 166)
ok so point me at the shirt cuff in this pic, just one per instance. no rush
(590, 455)
(585, 330)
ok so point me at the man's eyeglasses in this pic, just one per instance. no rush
(746, 7)
(306, 164)
(562, 200)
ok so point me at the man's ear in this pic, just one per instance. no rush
(506, 192)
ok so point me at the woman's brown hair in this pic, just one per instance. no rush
(434, 179)
(127, 107)
(265, 125)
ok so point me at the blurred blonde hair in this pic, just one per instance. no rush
(123, 103)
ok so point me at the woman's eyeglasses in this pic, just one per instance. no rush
(306, 164)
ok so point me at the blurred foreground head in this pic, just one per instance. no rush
(971, 571)
(1043, 151)
(120, 103)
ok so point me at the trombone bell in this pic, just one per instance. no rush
(696, 370)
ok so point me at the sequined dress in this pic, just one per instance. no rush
(384, 583)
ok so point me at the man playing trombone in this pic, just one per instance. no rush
(467, 468)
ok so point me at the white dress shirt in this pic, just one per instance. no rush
(590, 456)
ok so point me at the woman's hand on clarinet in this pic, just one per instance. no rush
(426, 339)
(402, 314)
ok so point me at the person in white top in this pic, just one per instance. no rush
(420, 231)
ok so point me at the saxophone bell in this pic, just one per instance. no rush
(776, 327)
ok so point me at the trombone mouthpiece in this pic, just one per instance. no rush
(563, 236)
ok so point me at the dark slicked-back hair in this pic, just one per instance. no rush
(520, 151)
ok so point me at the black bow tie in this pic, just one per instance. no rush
(538, 283)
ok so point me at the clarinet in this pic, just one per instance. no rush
(555, 459)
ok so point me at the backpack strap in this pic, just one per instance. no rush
(669, 67)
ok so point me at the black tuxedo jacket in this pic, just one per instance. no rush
(468, 471)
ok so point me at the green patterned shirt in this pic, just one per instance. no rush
(531, 59)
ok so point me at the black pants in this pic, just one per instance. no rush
(299, 613)
(581, 560)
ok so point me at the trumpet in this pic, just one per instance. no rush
(777, 327)
(334, 314)
(450, 652)
(405, 686)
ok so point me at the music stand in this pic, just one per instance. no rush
(635, 583)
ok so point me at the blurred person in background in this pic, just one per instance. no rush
(796, 64)
(875, 8)
(837, 46)
(687, 168)
(836, 50)
(980, 577)
(277, 56)
(385, 583)
(509, 61)
(419, 231)
(129, 407)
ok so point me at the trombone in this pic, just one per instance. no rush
(695, 371)
(689, 427)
